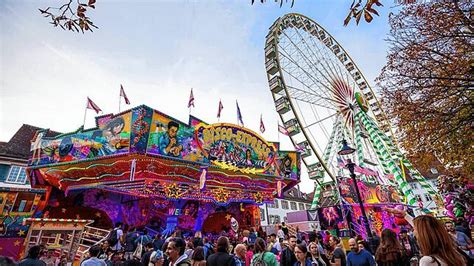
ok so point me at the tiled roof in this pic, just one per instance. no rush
(19, 145)
(295, 194)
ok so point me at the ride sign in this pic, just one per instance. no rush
(236, 148)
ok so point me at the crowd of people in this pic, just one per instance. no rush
(430, 243)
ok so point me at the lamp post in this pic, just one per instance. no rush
(347, 150)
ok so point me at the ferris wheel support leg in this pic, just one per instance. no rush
(386, 160)
(415, 173)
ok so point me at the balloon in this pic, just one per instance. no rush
(449, 198)
(450, 207)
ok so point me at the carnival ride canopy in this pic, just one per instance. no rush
(145, 153)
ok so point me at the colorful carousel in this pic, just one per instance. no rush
(144, 168)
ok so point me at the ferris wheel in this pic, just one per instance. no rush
(322, 99)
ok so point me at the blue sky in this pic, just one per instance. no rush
(158, 50)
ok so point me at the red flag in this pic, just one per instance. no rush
(122, 94)
(262, 126)
(93, 106)
(191, 99)
(282, 130)
(219, 109)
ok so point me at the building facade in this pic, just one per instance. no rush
(18, 200)
(293, 200)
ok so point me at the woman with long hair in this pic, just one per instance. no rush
(262, 256)
(314, 255)
(198, 257)
(389, 251)
(301, 254)
(435, 244)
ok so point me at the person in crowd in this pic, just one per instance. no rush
(284, 228)
(435, 243)
(208, 247)
(221, 257)
(33, 257)
(158, 242)
(240, 252)
(337, 255)
(462, 240)
(261, 256)
(301, 254)
(93, 259)
(115, 237)
(287, 257)
(7, 261)
(374, 244)
(274, 245)
(249, 253)
(198, 257)
(147, 254)
(252, 236)
(390, 250)
(463, 226)
(359, 257)
(189, 248)
(409, 247)
(144, 238)
(261, 233)
(298, 235)
(105, 250)
(280, 234)
(175, 252)
(314, 255)
(197, 240)
(129, 245)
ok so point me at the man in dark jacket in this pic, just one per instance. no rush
(222, 257)
(288, 257)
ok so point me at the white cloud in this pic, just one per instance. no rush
(158, 52)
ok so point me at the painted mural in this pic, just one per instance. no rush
(224, 145)
(111, 136)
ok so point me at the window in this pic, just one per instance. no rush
(262, 215)
(301, 206)
(428, 197)
(277, 219)
(17, 175)
(418, 197)
(414, 186)
(293, 206)
(284, 205)
(276, 204)
(308, 206)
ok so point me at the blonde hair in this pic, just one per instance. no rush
(433, 239)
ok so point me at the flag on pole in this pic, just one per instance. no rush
(239, 115)
(282, 130)
(219, 109)
(122, 94)
(191, 99)
(262, 126)
(93, 106)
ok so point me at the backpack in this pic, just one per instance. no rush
(112, 238)
(258, 261)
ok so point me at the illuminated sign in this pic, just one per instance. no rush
(234, 147)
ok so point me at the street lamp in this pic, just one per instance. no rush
(347, 150)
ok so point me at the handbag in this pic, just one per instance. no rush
(139, 250)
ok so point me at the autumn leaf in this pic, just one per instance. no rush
(368, 17)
